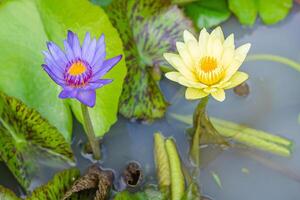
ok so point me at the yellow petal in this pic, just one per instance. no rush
(239, 57)
(176, 61)
(203, 39)
(179, 78)
(219, 95)
(218, 33)
(210, 89)
(229, 42)
(237, 79)
(194, 50)
(192, 93)
(185, 55)
(215, 48)
(188, 36)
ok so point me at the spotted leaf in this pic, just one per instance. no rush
(26, 136)
(148, 28)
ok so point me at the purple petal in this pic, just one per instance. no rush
(68, 93)
(99, 57)
(69, 51)
(70, 38)
(98, 83)
(49, 60)
(76, 46)
(100, 41)
(107, 65)
(57, 54)
(53, 76)
(91, 51)
(85, 45)
(87, 97)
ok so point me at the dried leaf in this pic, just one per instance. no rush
(133, 174)
(95, 179)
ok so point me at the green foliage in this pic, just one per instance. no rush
(148, 29)
(192, 192)
(6, 194)
(270, 11)
(56, 188)
(148, 194)
(207, 13)
(24, 136)
(22, 40)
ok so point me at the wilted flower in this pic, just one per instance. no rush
(78, 70)
(207, 66)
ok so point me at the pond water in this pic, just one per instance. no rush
(273, 105)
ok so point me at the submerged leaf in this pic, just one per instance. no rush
(22, 40)
(95, 179)
(6, 194)
(162, 163)
(177, 178)
(270, 11)
(25, 136)
(56, 188)
(217, 179)
(148, 29)
(207, 13)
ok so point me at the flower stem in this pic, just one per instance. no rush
(198, 114)
(90, 132)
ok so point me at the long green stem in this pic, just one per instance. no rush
(90, 132)
(274, 58)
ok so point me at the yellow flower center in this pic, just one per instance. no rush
(208, 71)
(77, 68)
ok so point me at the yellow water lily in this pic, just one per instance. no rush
(208, 65)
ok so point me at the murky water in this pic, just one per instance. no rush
(273, 105)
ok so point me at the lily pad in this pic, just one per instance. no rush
(148, 28)
(24, 136)
(6, 194)
(270, 11)
(22, 40)
(208, 13)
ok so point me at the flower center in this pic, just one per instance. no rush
(78, 73)
(77, 68)
(208, 71)
(208, 64)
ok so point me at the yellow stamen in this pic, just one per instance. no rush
(208, 71)
(208, 63)
(77, 68)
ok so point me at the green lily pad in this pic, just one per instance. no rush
(22, 40)
(56, 188)
(148, 29)
(149, 194)
(6, 194)
(24, 136)
(208, 13)
(270, 11)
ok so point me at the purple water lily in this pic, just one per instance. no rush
(79, 69)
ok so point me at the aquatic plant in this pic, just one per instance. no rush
(78, 71)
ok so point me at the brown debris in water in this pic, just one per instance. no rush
(242, 90)
(95, 179)
(133, 174)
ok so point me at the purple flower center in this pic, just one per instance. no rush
(77, 73)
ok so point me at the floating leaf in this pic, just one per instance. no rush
(95, 179)
(56, 188)
(148, 29)
(177, 178)
(24, 136)
(207, 13)
(22, 40)
(270, 11)
(6, 194)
